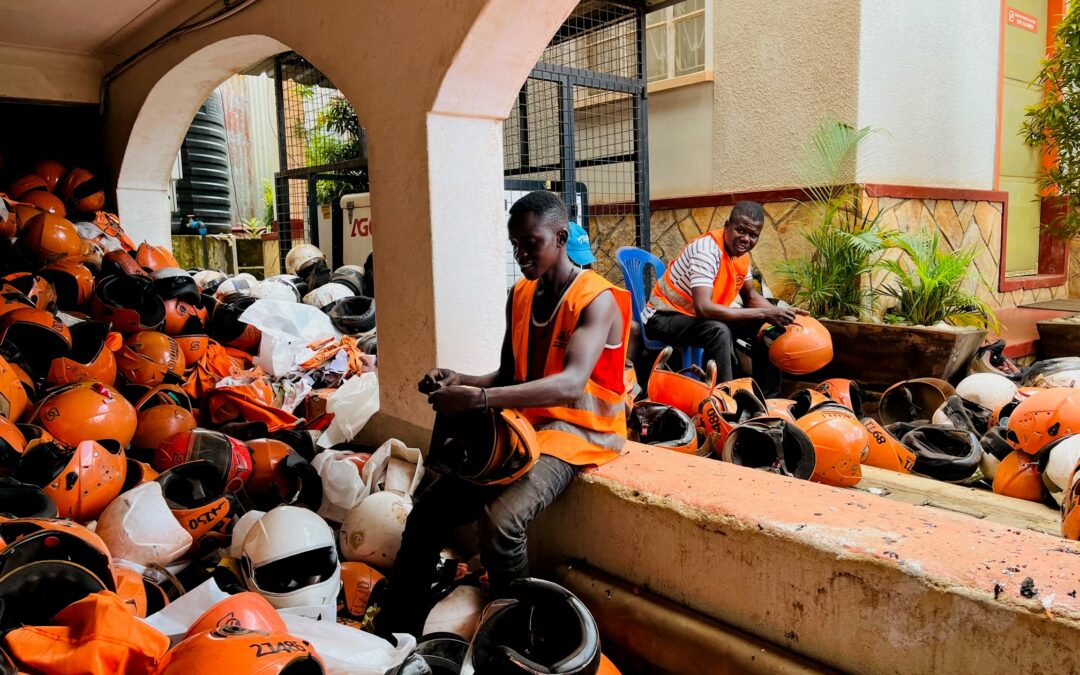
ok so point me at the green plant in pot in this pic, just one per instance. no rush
(834, 281)
(931, 285)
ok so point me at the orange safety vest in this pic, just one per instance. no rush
(729, 280)
(592, 430)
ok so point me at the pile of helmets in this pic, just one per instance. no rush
(1003, 428)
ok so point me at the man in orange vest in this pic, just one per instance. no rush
(691, 302)
(562, 367)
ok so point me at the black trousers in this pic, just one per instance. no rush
(502, 514)
(717, 340)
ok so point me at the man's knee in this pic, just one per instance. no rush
(716, 332)
(500, 528)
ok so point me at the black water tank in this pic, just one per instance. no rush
(204, 159)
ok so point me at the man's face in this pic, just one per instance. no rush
(537, 245)
(741, 235)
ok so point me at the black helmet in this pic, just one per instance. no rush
(352, 315)
(771, 444)
(436, 654)
(173, 282)
(540, 627)
(662, 425)
(352, 276)
(945, 453)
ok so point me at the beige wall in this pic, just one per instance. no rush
(780, 67)
(49, 75)
(680, 141)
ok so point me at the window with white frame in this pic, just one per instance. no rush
(677, 39)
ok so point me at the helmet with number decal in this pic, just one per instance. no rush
(233, 649)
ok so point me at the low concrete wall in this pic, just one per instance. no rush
(854, 581)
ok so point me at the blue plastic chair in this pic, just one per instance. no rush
(632, 261)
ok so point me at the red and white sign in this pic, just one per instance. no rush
(1022, 20)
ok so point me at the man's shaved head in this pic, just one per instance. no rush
(547, 207)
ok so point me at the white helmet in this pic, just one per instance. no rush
(1060, 372)
(209, 280)
(138, 527)
(280, 287)
(289, 558)
(242, 283)
(240, 530)
(300, 256)
(371, 532)
(457, 613)
(990, 390)
(1058, 463)
(328, 294)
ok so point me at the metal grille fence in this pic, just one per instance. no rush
(323, 152)
(578, 127)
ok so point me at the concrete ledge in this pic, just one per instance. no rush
(847, 579)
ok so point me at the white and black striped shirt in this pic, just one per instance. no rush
(697, 265)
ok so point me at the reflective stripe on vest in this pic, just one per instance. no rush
(729, 280)
(592, 429)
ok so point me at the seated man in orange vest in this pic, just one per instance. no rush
(562, 367)
(691, 302)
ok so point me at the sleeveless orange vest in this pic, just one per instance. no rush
(591, 430)
(729, 280)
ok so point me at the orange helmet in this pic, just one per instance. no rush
(81, 189)
(807, 400)
(50, 172)
(48, 237)
(844, 392)
(12, 445)
(226, 327)
(82, 482)
(912, 400)
(91, 356)
(158, 424)
(487, 448)
(771, 444)
(715, 414)
(232, 457)
(128, 303)
(13, 397)
(36, 288)
(72, 279)
(120, 261)
(678, 390)
(193, 346)
(232, 649)
(749, 387)
(1018, 476)
(884, 451)
(183, 317)
(152, 257)
(38, 335)
(130, 589)
(801, 347)
(86, 411)
(1040, 419)
(23, 213)
(150, 358)
(362, 588)
(26, 185)
(164, 394)
(279, 475)
(46, 201)
(244, 610)
(1070, 507)
(780, 407)
(839, 443)
(137, 474)
(195, 493)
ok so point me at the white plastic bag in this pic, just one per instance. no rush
(343, 488)
(178, 615)
(350, 651)
(287, 328)
(395, 467)
(353, 404)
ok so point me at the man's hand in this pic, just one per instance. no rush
(454, 399)
(436, 379)
(780, 316)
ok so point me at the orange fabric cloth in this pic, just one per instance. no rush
(729, 280)
(251, 402)
(591, 430)
(214, 365)
(98, 635)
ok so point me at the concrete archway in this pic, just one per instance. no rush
(436, 80)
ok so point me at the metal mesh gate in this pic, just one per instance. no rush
(323, 154)
(579, 127)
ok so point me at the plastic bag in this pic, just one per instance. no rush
(287, 328)
(350, 651)
(353, 404)
(343, 487)
(178, 615)
(394, 467)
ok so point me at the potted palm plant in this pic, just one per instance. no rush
(933, 323)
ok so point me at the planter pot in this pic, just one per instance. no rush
(881, 355)
(1059, 338)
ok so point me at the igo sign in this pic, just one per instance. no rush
(356, 228)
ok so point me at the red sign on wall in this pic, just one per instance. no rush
(1022, 20)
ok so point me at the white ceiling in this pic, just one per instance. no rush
(72, 25)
